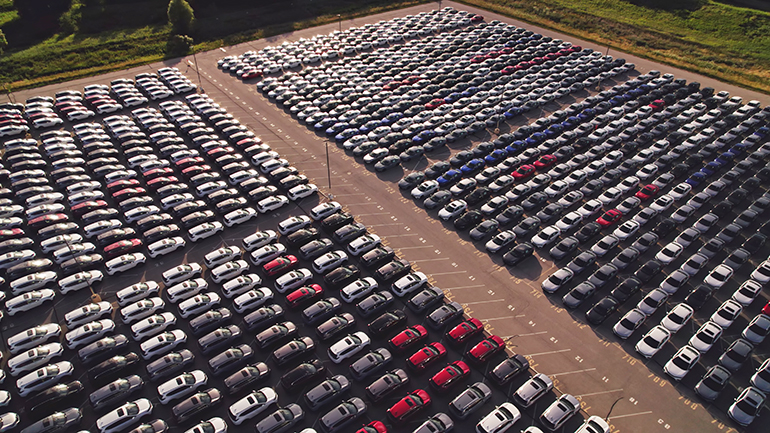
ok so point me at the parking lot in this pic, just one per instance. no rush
(604, 373)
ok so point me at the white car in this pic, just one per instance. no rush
(653, 341)
(546, 236)
(186, 289)
(292, 224)
(669, 253)
(229, 270)
(87, 313)
(34, 358)
(425, 189)
(626, 230)
(32, 337)
(252, 405)
(79, 281)
(52, 244)
(594, 424)
(727, 313)
(363, 244)
(259, 239)
(500, 419)
(302, 191)
(212, 425)
(706, 336)
(329, 261)
(88, 333)
(348, 346)
(32, 282)
(165, 246)
(239, 216)
(323, 210)
(680, 191)
(124, 416)
(162, 343)
(264, 254)
(241, 284)
(252, 299)
(44, 377)
(137, 292)
(28, 301)
(719, 276)
(682, 362)
(198, 304)
(358, 289)
(452, 210)
(181, 273)
(124, 263)
(293, 279)
(141, 309)
(557, 280)
(272, 203)
(205, 230)
(677, 317)
(409, 283)
(762, 272)
(747, 292)
(152, 325)
(181, 386)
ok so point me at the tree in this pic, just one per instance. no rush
(3, 41)
(181, 16)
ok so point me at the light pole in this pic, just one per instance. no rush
(200, 85)
(339, 20)
(328, 168)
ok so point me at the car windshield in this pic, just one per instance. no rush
(681, 363)
(746, 407)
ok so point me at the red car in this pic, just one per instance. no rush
(122, 247)
(545, 162)
(465, 331)
(373, 427)
(121, 184)
(303, 295)
(44, 220)
(413, 403)
(195, 169)
(450, 375)
(478, 59)
(279, 265)
(157, 172)
(477, 18)
(486, 348)
(766, 309)
(87, 206)
(189, 162)
(609, 218)
(408, 336)
(426, 356)
(508, 70)
(435, 103)
(647, 192)
(412, 79)
(524, 172)
(393, 85)
(160, 182)
(251, 74)
(126, 193)
(657, 105)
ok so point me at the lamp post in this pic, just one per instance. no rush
(200, 84)
(328, 168)
(339, 20)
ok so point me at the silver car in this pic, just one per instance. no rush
(746, 406)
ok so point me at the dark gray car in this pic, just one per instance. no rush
(470, 400)
(117, 391)
(342, 415)
(281, 420)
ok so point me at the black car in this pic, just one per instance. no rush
(602, 310)
(341, 276)
(588, 231)
(508, 369)
(210, 320)
(698, 297)
(444, 314)
(115, 235)
(315, 248)
(426, 298)
(263, 317)
(349, 232)
(46, 400)
(292, 350)
(386, 384)
(326, 391)
(320, 310)
(518, 253)
(218, 338)
(302, 236)
(627, 288)
(754, 243)
(478, 195)
(336, 220)
(198, 217)
(275, 334)
(392, 270)
(411, 180)
(335, 326)
(103, 348)
(377, 256)
(85, 262)
(438, 198)
(116, 391)
(195, 404)
(169, 364)
(648, 271)
(665, 227)
(437, 169)
(468, 219)
(525, 228)
(160, 232)
(510, 215)
(114, 367)
(148, 222)
(387, 322)
(302, 374)
(246, 376)
(60, 421)
(460, 158)
(230, 359)
(534, 201)
(564, 248)
(374, 303)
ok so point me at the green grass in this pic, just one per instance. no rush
(718, 40)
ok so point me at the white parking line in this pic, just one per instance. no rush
(549, 353)
(376, 213)
(429, 260)
(465, 287)
(572, 372)
(398, 236)
(351, 193)
(498, 318)
(527, 334)
(483, 302)
(600, 392)
(420, 246)
(447, 273)
(359, 204)
(630, 414)
(383, 225)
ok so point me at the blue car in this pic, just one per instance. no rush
(515, 147)
(470, 91)
(570, 123)
(513, 112)
(337, 128)
(739, 149)
(472, 167)
(391, 118)
(535, 139)
(452, 97)
(711, 168)
(696, 179)
(586, 115)
(369, 126)
(725, 157)
(553, 131)
(424, 136)
(496, 156)
(344, 135)
(449, 178)
(324, 123)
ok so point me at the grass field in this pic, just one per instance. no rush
(713, 38)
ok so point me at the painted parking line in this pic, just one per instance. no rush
(429, 260)
(370, 214)
(421, 246)
(400, 236)
(465, 287)
(572, 372)
(600, 392)
(549, 353)
(448, 273)
(529, 334)
(498, 318)
(482, 302)
(630, 414)
(384, 225)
